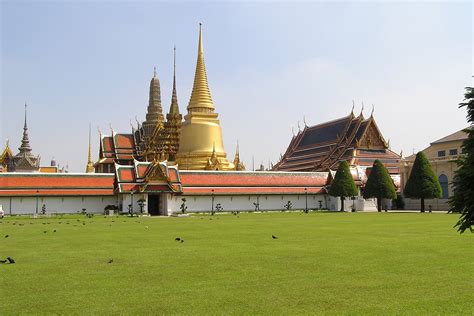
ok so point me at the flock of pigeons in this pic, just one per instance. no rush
(10, 260)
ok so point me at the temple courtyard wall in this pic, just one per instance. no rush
(16, 205)
(246, 202)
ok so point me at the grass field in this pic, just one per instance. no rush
(323, 263)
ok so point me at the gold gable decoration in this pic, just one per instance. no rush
(372, 138)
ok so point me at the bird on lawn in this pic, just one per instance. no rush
(111, 260)
(54, 231)
(177, 239)
(182, 240)
(3, 261)
(45, 231)
(274, 237)
(10, 260)
(6, 236)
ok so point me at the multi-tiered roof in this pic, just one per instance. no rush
(354, 139)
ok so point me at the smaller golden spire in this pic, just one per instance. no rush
(174, 108)
(90, 164)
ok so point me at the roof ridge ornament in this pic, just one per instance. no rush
(373, 109)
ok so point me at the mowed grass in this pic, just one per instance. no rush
(321, 263)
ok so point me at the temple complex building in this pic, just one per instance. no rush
(6, 159)
(201, 144)
(195, 143)
(24, 160)
(354, 139)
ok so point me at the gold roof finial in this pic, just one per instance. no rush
(373, 109)
(200, 96)
(362, 110)
(353, 106)
(154, 72)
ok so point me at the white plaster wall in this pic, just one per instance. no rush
(126, 199)
(360, 204)
(243, 202)
(54, 204)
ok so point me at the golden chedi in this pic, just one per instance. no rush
(201, 146)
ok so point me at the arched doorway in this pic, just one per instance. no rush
(443, 181)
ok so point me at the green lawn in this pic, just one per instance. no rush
(322, 263)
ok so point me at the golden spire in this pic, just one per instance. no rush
(174, 108)
(90, 164)
(201, 96)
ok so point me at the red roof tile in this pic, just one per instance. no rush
(252, 179)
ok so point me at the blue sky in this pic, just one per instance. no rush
(268, 64)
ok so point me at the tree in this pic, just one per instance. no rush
(379, 184)
(463, 183)
(343, 185)
(422, 183)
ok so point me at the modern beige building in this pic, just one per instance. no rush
(442, 155)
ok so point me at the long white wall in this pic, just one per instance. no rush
(54, 204)
(244, 202)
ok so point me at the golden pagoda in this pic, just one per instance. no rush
(201, 145)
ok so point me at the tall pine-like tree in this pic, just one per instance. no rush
(343, 185)
(379, 184)
(422, 183)
(463, 183)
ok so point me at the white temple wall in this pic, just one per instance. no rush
(54, 204)
(244, 202)
(360, 204)
(126, 199)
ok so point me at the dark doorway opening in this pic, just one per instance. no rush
(154, 204)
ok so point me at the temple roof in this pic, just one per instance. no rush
(55, 184)
(147, 177)
(251, 182)
(351, 138)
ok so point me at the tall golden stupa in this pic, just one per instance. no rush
(201, 146)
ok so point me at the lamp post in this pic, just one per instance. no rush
(306, 198)
(212, 198)
(131, 203)
(37, 196)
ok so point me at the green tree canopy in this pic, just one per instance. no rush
(343, 185)
(463, 182)
(379, 184)
(422, 183)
